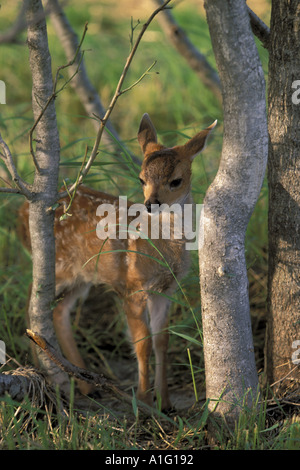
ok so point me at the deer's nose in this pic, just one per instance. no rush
(149, 203)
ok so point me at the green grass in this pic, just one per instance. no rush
(179, 105)
(27, 426)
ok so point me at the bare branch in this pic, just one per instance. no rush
(71, 196)
(72, 61)
(22, 186)
(10, 190)
(81, 83)
(139, 79)
(117, 94)
(197, 61)
(11, 35)
(259, 28)
(98, 380)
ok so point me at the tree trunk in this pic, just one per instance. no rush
(228, 347)
(41, 219)
(283, 327)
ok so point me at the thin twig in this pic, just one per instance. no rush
(22, 187)
(138, 80)
(117, 94)
(86, 92)
(72, 195)
(72, 61)
(4, 180)
(286, 376)
(10, 190)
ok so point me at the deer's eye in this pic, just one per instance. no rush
(176, 183)
(142, 182)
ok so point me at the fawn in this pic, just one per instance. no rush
(127, 264)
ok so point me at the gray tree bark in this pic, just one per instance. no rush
(228, 346)
(45, 194)
(283, 327)
(21, 383)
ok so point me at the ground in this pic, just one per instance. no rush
(101, 319)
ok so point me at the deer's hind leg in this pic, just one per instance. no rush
(63, 329)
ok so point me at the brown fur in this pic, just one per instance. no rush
(137, 278)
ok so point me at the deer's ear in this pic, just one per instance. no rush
(147, 133)
(196, 144)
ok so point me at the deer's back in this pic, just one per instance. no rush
(125, 264)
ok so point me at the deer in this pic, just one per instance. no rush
(127, 264)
